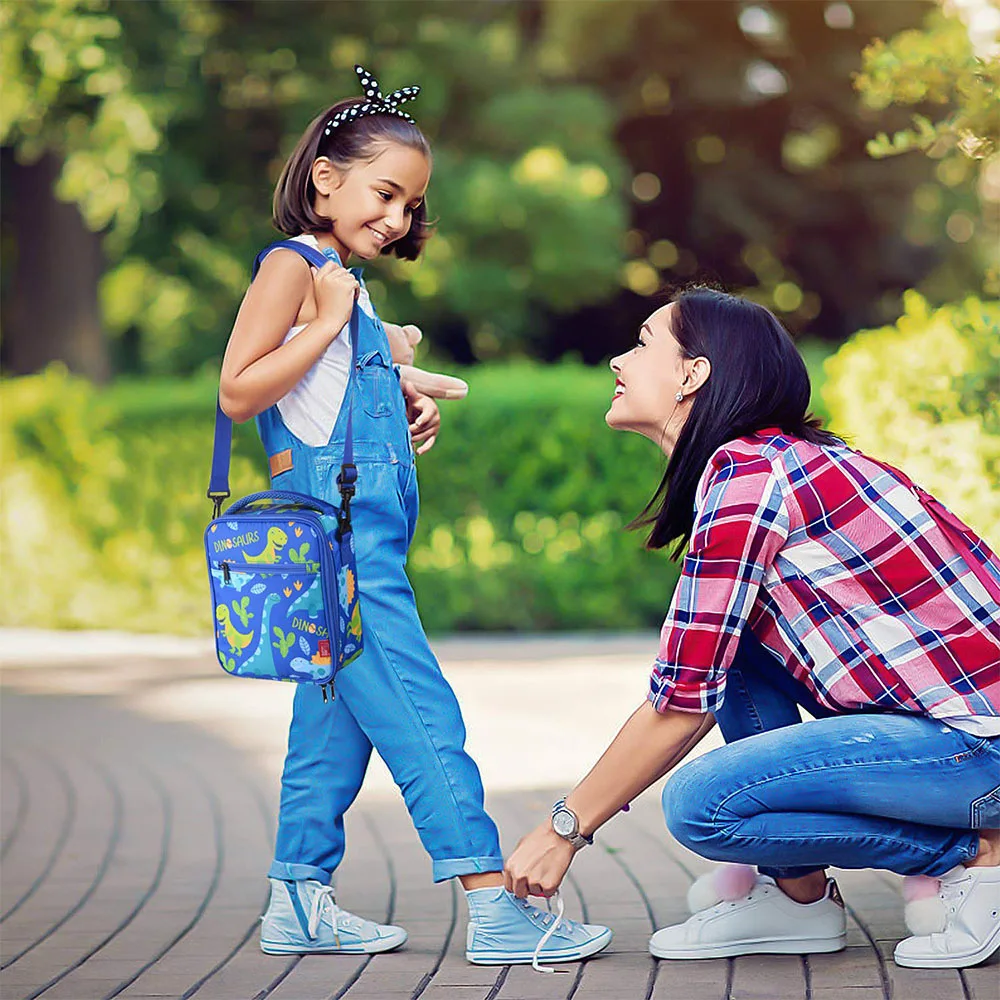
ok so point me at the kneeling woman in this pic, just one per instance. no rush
(813, 576)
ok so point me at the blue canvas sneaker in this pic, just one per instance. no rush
(303, 918)
(505, 930)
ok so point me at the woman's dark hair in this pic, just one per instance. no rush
(350, 142)
(758, 379)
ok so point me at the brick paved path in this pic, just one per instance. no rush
(133, 847)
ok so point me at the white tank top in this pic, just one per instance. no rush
(310, 409)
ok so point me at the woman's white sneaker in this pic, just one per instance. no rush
(765, 920)
(302, 918)
(959, 927)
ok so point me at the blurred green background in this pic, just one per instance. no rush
(836, 161)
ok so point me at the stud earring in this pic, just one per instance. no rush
(679, 396)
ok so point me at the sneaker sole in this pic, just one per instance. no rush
(952, 961)
(802, 946)
(525, 957)
(373, 948)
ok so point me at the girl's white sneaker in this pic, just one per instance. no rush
(764, 920)
(957, 928)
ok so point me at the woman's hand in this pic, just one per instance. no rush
(539, 863)
(335, 289)
(424, 417)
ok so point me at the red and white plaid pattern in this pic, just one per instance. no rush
(871, 592)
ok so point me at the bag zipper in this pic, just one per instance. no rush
(228, 566)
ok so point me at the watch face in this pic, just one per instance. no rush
(564, 823)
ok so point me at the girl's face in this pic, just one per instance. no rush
(371, 203)
(648, 379)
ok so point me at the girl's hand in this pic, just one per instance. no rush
(335, 289)
(539, 863)
(424, 417)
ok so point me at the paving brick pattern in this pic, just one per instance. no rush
(132, 860)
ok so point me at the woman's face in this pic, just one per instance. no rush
(648, 379)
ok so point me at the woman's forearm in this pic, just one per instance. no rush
(645, 749)
(648, 746)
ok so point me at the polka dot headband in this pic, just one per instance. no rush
(375, 104)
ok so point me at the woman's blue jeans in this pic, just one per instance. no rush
(860, 790)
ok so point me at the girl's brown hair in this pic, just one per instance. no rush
(350, 142)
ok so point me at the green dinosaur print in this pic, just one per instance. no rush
(238, 641)
(276, 541)
(227, 662)
(285, 640)
(255, 664)
(242, 611)
(299, 555)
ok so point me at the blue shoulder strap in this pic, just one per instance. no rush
(218, 483)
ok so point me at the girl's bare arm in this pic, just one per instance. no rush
(258, 369)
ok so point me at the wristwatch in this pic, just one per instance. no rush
(566, 823)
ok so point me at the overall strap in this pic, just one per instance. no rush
(218, 484)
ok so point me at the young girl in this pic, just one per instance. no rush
(355, 184)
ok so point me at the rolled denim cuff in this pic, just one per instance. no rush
(299, 873)
(446, 868)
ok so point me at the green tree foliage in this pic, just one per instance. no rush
(953, 83)
(936, 66)
(744, 149)
(747, 146)
(179, 114)
(75, 85)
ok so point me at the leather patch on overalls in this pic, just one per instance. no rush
(280, 462)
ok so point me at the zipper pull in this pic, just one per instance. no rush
(322, 688)
(333, 697)
(225, 572)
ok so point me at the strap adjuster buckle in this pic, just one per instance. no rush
(217, 496)
(346, 484)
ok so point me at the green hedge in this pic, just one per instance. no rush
(523, 500)
(523, 503)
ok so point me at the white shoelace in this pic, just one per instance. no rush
(544, 940)
(322, 901)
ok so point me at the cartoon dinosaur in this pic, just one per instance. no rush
(242, 611)
(309, 668)
(238, 641)
(276, 540)
(261, 652)
(310, 601)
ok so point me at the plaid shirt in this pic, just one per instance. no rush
(867, 589)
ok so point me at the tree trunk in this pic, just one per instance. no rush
(50, 307)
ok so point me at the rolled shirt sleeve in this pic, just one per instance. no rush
(740, 524)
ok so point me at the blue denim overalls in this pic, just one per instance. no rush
(393, 697)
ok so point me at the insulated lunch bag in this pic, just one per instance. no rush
(282, 567)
